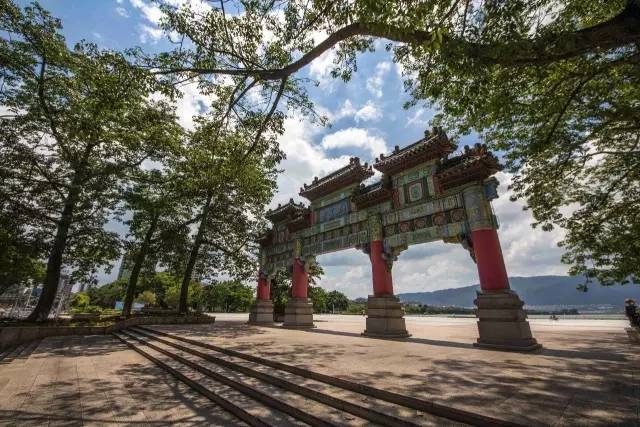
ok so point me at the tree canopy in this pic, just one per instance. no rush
(77, 122)
(553, 86)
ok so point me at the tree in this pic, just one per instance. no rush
(158, 283)
(234, 180)
(80, 300)
(336, 300)
(20, 252)
(552, 85)
(194, 296)
(77, 121)
(318, 298)
(159, 219)
(229, 296)
(147, 298)
(106, 295)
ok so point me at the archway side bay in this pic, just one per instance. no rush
(425, 194)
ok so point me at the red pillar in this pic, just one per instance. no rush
(300, 280)
(382, 281)
(491, 268)
(263, 292)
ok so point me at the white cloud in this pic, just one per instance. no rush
(122, 12)
(190, 104)
(420, 118)
(320, 69)
(150, 34)
(369, 111)
(150, 11)
(346, 110)
(376, 81)
(355, 137)
(304, 159)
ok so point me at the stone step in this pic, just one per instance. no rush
(336, 405)
(326, 413)
(424, 409)
(250, 404)
(13, 352)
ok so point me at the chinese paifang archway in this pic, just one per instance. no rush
(424, 195)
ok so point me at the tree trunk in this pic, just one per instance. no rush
(54, 264)
(184, 289)
(141, 255)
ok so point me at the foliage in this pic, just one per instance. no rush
(318, 297)
(77, 120)
(107, 295)
(323, 301)
(19, 251)
(147, 298)
(194, 301)
(337, 301)
(229, 297)
(232, 178)
(159, 222)
(80, 300)
(280, 291)
(158, 283)
(356, 308)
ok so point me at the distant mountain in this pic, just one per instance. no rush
(535, 291)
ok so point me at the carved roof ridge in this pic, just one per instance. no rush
(367, 195)
(435, 144)
(353, 171)
(469, 156)
(474, 164)
(290, 208)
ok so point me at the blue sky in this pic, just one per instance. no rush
(367, 118)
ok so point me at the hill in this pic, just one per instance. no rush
(535, 291)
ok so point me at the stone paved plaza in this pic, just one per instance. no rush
(587, 373)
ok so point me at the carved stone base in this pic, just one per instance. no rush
(502, 322)
(385, 318)
(261, 312)
(298, 314)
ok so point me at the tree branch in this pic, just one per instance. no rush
(266, 120)
(621, 30)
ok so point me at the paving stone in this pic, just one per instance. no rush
(587, 373)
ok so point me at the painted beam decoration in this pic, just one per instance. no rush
(424, 194)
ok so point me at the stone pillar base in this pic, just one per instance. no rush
(298, 314)
(502, 322)
(385, 318)
(261, 312)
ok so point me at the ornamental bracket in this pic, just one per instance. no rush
(390, 254)
(308, 262)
